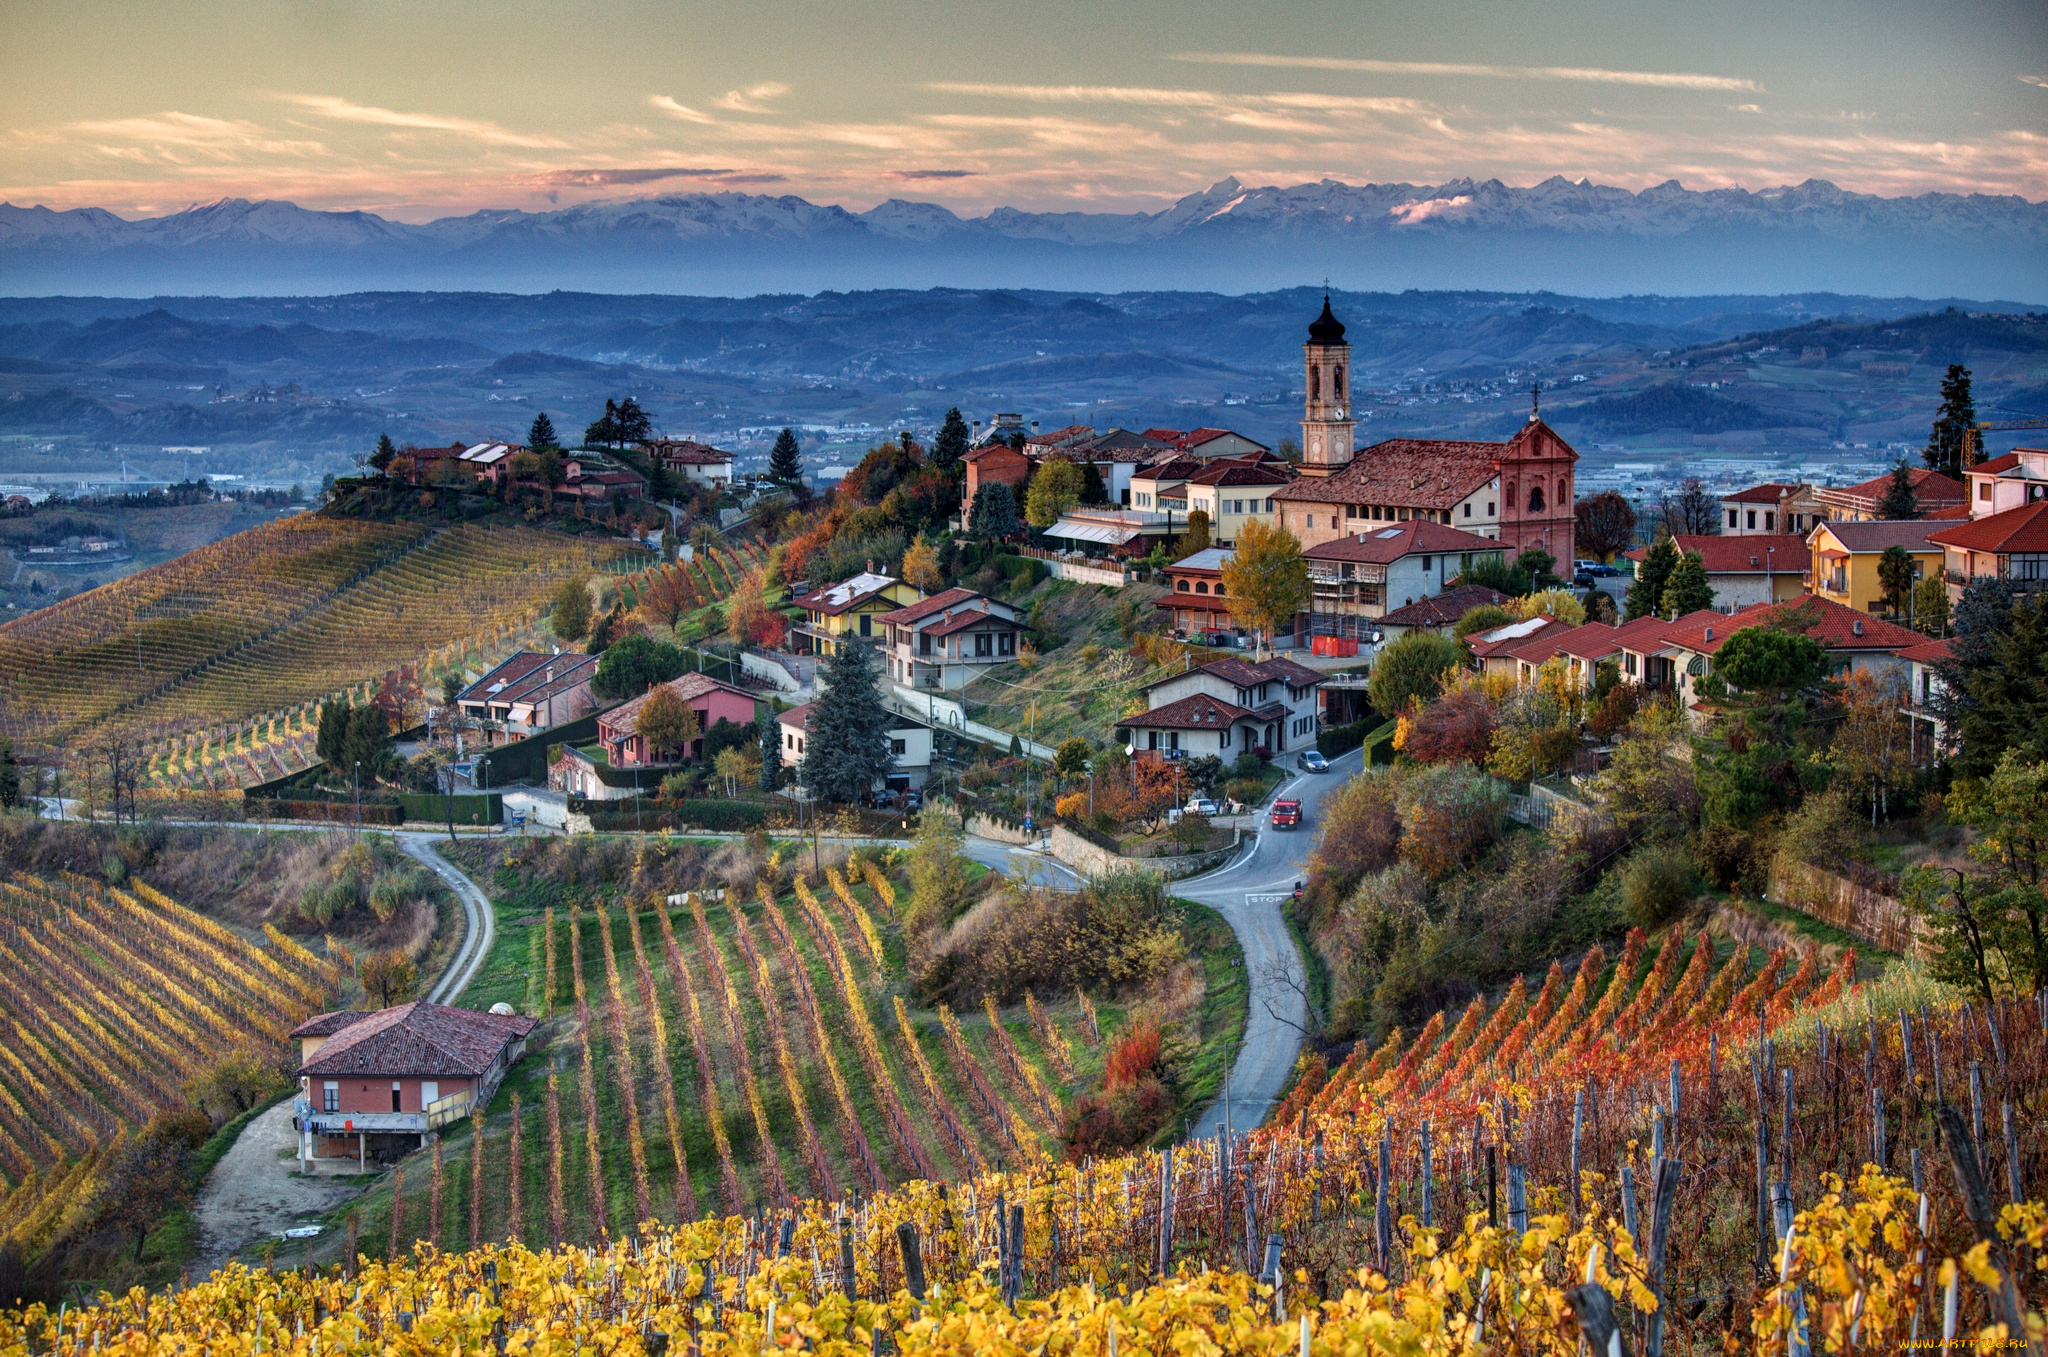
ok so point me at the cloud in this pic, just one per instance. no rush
(683, 111)
(1065, 94)
(1596, 75)
(933, 174)
(476, 129)
(615, 178)
(176, 137)
(752, 98)
(2041, 80)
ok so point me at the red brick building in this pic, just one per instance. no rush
(987, 465)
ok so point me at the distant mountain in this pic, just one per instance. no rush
(1554, 235)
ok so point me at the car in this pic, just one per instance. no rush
(1313, 762)
(1286, 813)
(1202, 805)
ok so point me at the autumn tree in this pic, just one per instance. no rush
(388, 977)
(1054, 490)
(921, 566)
(1930, 605)
(1266, 579)
(748, 618)
(1196, 538)
(1606, 525)
(667, 723)
(1873, 745)
(1412, 667)
(668, 594)
(238, 1082)
(570, 616)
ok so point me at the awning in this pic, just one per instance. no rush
(1093, 532)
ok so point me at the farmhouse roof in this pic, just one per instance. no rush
(688, 452)
(1211, 559)
(1197, 711)
(969, 617)
(419, 1039)
(1930, 488)
(327, 1024)
(626, 718)
(531, 675)
(1390, 542)
(1232, 472)
(1503, 639)
(1441, 609)
(1767, 493)
(1882, 533)
(834, 599)
(916, 612)
(1425, 473)
(1776, 552)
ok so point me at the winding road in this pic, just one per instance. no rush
(1251, 894)
(482, 929)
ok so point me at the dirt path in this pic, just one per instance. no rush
(253, 1194)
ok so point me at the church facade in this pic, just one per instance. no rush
(1518, 493)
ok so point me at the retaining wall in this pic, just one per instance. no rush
(1091, 860)
(1856, 909)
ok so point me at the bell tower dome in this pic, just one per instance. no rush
(1326, 424)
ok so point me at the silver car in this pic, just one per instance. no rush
(1313, 762)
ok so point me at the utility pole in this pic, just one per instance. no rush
(356, 793)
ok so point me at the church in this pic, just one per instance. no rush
(1518, 493)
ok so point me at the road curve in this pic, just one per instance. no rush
(1250, 893)
(477, 937)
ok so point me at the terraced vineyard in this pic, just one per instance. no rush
(109, 1001)
(269, 620)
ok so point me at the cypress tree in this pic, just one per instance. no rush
(846, 750)
(771, 753)
(1646, 595)
(1944, 451)
(993, 517)
(951, 444)
(333, 733)
(1899, 500)
(785, 464)
(541, 436)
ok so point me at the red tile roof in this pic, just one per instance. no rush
(1195, 438)
(1930, 488)
(524, 678)
(1767, 493)
(1166, 435)
(970, 617)
(1878, 534)
(689, 687)
(1834, 625)
(1417, 472)
(327, 1024)
(422, 1040)
(2004, 462)
(937, 603)
(2023, 529)
(1232, 472)
(1176, 468)
(1197, 711)
(1445, 608)
(1751, 554)
(688, 452)
(1504, 645)
(1391, 541)
(1927, 652)
(1952, 512)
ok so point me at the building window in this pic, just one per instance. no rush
(1269, 504)
(1468, 510)
(1009, 644)
(897, 748)
(1489, 509)
(1426, 563)
(1731, 519)
(1770, 521)
(1182, 586)
(1535, 499)
(330, 1097)
(1983, 489)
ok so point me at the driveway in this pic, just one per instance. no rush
(1251, 893)
(253, 1196)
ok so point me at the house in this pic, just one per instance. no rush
(1745, 569)
(940, 643)
(529, 692)
(1439, 611)
(696, 462)
(383, 1082)
(2012, 481)
(489, 461)
(1226, 707)
(1208, 445)
(1924, 689)
(910, 748)
(1005, 426)
(1196, 583)
(1932, 491)
(1845, 556)
(1680, 653)
(596, 478)
(618, 730)
(1357, 580)
(2012, 545)
(1116, 532)
(1164, 480)
(1773, 507)
(1057, 438)
(1234, 493)
(1495, 650)
(990, 464)
(848, 608)
(1116, 455)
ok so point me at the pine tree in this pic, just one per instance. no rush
(993, 517)
(385, 454)
(1899, 500)
(606, 430)
(1093, 491)
(570, 617)
(1646, 595)
(333, 733)
(634, 426)
(785, 464)
(1895, 578)
(541, 436)
(847, 747)
(951, 444)
(1687, 589)
(1958, 414)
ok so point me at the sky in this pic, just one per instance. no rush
(417, 109)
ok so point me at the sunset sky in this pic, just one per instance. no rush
(417, 110)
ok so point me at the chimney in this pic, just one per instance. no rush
(1034, 426)
(1710, 633)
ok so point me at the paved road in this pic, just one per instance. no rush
(1250, 893)
(482, 929)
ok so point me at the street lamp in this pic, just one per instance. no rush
(356, 793)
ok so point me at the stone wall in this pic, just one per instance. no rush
(1091, 860)
(1854, 908)
(982, 827)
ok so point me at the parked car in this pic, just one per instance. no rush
(1286, 814)
(1202, 805)
(1313, 762)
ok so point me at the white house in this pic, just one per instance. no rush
(1363, 576)
(1227, 707)
(693, 461)
(910, 748)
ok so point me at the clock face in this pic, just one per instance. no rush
(1340, 412)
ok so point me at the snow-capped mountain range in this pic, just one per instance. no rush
(1229, 237)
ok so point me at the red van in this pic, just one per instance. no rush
(1286, 814)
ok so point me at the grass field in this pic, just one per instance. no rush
(740, 1051)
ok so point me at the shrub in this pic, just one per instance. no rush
(1071, 806)
(1657, 883)
(1449, 814)
(1132, 1103)
(1361, 833)
(1246, 789)
(1248, 765)
(186, 1126)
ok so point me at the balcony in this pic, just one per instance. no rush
(360, 1123)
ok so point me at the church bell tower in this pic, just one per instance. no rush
(1326, 425)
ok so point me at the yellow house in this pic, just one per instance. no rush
(1232, 494)
(848, 608)
(1845, 556)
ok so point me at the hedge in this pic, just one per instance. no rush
(1016, 567)
(333, 810)
(617, 816)
(527, 759)
(1370, 731)
(1379, 746)
(485, 809)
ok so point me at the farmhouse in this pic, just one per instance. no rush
(382, 1082)
(910, 748)
(1226, 707)
(697, 462)
(941, 643)
(528, 692)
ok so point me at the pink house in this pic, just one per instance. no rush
(619, 729)
(388, 1079)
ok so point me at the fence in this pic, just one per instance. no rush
(947, 714)
(1081, 569)
(1859, 910)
